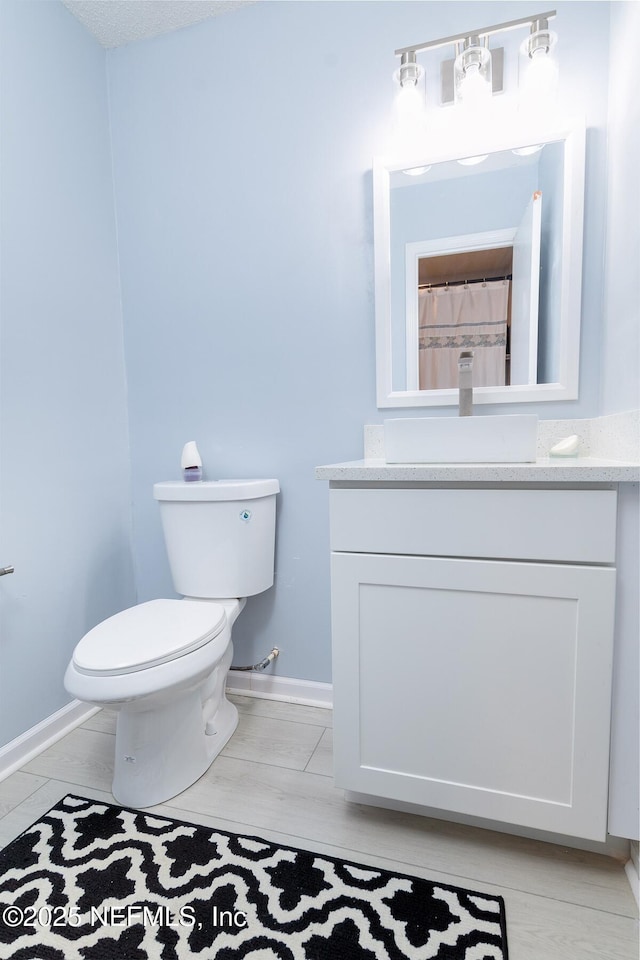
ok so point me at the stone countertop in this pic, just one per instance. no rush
(549, 470)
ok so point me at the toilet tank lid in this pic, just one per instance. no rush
(214, 489)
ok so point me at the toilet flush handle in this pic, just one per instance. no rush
(5, 570)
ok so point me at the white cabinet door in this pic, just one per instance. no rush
(475, 686)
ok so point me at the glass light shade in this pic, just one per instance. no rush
(472, 76)
(539, 67)
(409, 102)
(409, 110)
(409, 72)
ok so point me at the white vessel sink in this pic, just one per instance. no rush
(476, 439)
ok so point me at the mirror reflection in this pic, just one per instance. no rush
(480, 256)
(469, 270)
(464, 303)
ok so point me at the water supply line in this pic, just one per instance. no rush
(262, 664)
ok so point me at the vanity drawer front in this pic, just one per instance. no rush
(561, 525)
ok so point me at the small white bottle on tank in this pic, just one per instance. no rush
(191, 462)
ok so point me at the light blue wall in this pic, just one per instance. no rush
(244, 220)
(450, 208)
(621, 327)
(242, 157)
(64, 478)
(242, 153)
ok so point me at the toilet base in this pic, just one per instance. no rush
(162, 748)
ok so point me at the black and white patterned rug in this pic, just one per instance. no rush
(92, 881)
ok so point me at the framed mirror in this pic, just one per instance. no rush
(482, 253)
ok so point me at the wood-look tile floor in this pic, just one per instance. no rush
(273, 779)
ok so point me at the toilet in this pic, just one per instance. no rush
(162, 665)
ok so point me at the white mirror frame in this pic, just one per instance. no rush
(566, 388)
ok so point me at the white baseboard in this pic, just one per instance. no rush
(33, 741)
(255, 684)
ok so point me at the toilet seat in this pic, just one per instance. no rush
(149, 634)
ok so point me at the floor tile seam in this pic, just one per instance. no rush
(268, 716)
(576, 903)
(33, 791)
(277, 704)
(264, 763)
(297, 723)
(74, 783)
(228, 749)
(85, 726)
(243, 734)
(313, 753)
(252, 705)
(269, 763)
(106, 733)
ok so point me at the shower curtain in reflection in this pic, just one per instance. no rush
(472, 316)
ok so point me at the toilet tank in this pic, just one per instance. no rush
(220, 535)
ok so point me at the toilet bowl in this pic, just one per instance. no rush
(162, 665)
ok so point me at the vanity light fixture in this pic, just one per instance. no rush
(476, 72)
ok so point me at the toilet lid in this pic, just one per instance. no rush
(148, 634)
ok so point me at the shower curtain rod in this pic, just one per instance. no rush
(460, 283)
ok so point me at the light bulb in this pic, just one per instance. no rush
(527, 151)
(408, 103)
(472, 74)
(471, 161)
(409, 109)
(539, 69)
(417, 171)
(542, 74)
(473, 87)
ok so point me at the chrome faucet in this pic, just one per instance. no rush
(465, 383)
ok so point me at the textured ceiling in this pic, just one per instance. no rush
(116, 22)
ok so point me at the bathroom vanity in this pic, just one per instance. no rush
(484, 615)
(473, 638)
